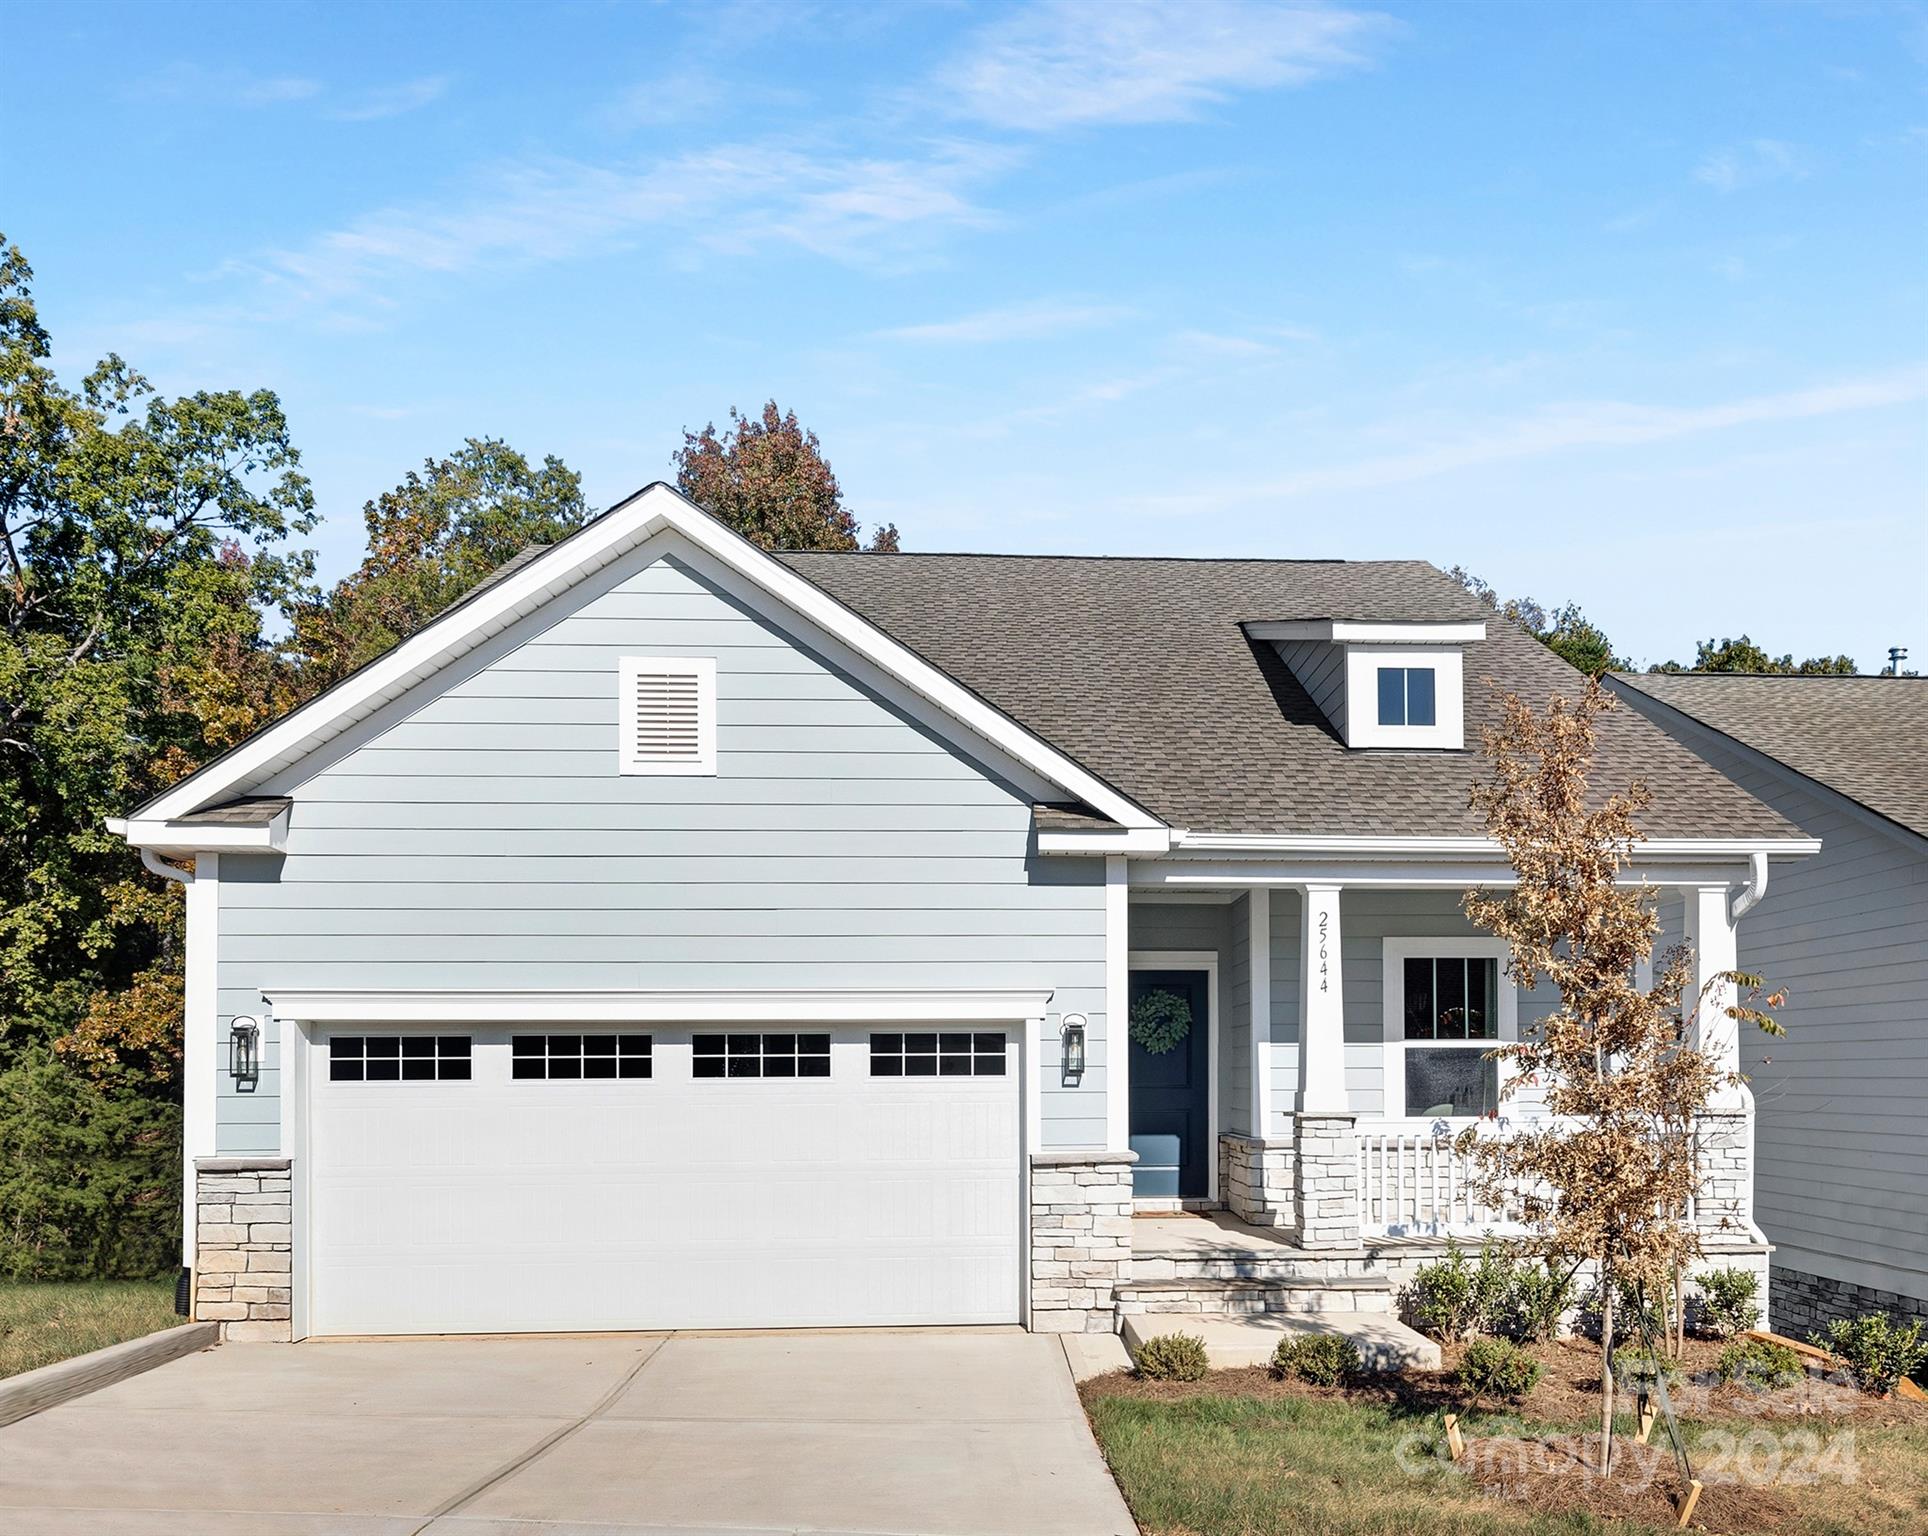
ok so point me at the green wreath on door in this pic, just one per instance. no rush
(1160, 1020)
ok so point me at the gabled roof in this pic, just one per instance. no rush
(536, 577)
(1141, 670)
(1862, 737)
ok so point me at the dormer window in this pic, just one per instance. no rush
(1406, 695)
(1382, 683)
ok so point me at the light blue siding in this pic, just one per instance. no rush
(478, 834)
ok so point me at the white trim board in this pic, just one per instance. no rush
(337, 1005)
(1205, 960)
(652, 510)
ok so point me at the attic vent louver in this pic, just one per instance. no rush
(667, 715)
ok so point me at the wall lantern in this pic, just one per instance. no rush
(244, 1052)
(1073, 1034)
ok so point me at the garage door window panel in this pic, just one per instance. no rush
(398, 1058)
(946, 1054)
(772, 1055)
(573, 1058)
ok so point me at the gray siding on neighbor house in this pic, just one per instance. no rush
(478, 834)
(1840, 1140)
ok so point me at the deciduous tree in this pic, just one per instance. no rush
(1743, 655)
(767, 478)
(430, 541)
(138, 536)
(1608, 1179)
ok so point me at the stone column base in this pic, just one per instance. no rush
(1325, 1180)
(1255, 1179)
(244, 1247)
(1080, 1239)
(1724, 1203)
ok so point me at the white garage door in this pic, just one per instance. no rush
(510, 1179)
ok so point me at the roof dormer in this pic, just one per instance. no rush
(1381, 683)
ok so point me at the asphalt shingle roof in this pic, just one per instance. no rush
(1864, 737)
(1138, 668)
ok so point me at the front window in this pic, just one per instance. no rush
(1451, 1022)
(1406, 696)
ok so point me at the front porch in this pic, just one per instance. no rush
(1341, 1040)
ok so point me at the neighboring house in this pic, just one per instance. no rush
(674, 935)
(1842, 1102)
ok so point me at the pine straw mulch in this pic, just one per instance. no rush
(1568, 1391)
(1556, 1474)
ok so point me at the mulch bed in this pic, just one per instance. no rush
(1568, 1391)
(1556, 1474)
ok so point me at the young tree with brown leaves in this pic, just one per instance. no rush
(768, 479)
(1609, 1179)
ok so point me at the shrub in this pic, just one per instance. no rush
(1877, 1352)
(1637, 1371)
(1452, 1299)
(1496, 1368)
(1760, 1363)
(1324, 1359)
(1630, 1309)
(1172, 1357)
(1729, 1302)
(1535, 1302)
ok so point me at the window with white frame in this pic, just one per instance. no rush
(1407, 696)
(1448, 1005)
(666, 715)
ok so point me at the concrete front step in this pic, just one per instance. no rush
(1355, 1294)
(1384, 1343)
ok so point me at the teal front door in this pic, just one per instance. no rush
(1171, 1108)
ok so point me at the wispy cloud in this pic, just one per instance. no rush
(668, 98)
(393, 100)
(222, 87)
(1582, 425)
(1751, 164)
(732, 198)
(1012, 322)
(1066, 62)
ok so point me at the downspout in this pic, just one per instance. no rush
(184, 1277)
(1750, 894)
(154, 864)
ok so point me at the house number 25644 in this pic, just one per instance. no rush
(1325, 967)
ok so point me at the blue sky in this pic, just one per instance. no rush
(1625, 304)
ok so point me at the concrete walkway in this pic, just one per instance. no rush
(941, 1433)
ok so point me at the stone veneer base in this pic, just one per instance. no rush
(1080, 1239)
(1255, 1179)
(1800, 1303)
(244, 1247)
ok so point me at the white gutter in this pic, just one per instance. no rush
(184, 839)
(1429, 847)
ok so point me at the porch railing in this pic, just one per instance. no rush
(1414, 1183)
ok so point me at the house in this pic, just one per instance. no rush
(1841, 1141)
(673, 935)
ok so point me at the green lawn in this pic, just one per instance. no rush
(44, 1322)
(1219, 1462)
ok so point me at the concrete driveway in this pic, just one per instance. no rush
(943, 1433)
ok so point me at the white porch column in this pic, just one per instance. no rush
(1710, 930)
(1259, 964)
(1322, 1032)
(1325, 1148)
(1117, 1004)
(1724, 1134)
